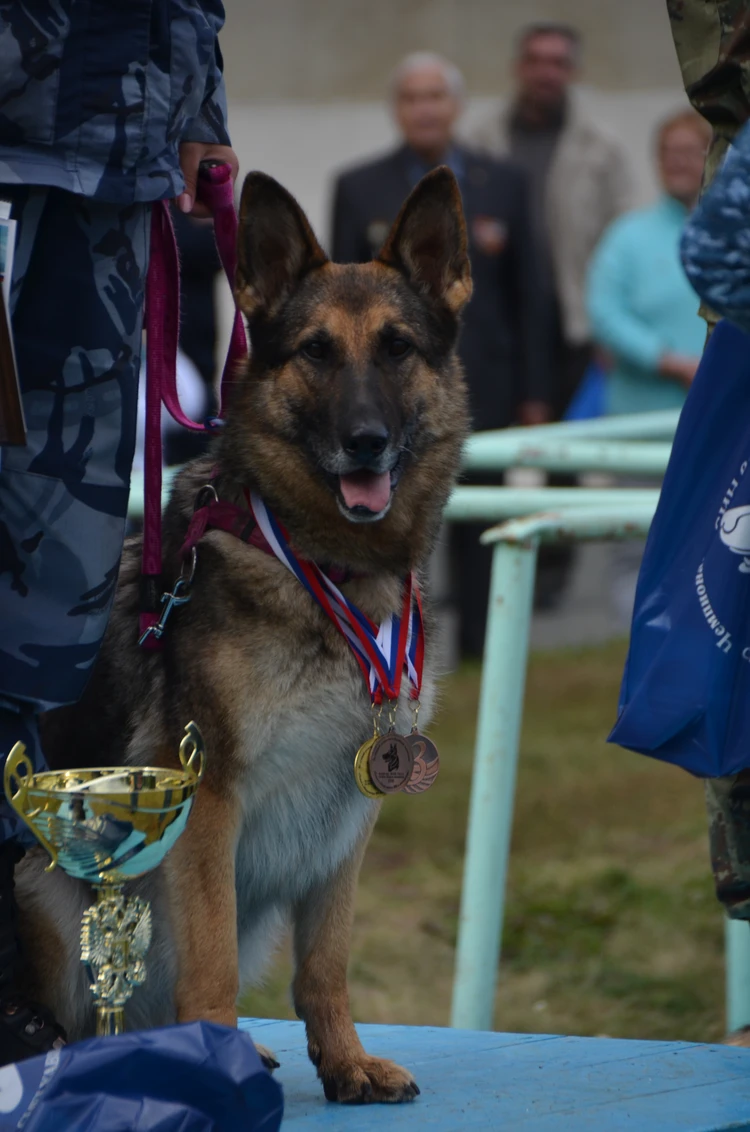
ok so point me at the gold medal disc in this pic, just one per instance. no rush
(362, 770)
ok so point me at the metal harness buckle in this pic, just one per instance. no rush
(180, 594)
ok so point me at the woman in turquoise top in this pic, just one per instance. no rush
(643, 310)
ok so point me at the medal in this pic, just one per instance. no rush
(362, 770)
(426, 763)
(384, 764)
(391, 762)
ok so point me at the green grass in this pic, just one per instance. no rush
(611, 923)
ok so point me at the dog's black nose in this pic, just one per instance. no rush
(366, 442)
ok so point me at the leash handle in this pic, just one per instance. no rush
(216, 191)
(162, 330)
(162, 334)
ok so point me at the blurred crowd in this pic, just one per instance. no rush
(580, 304)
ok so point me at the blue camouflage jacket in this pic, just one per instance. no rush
(96, 95)
(716, 241)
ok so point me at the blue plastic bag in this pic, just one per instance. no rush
(685, 694)
(192, 1078)
(590, 398)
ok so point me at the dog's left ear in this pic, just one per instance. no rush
(276, 246)
(428, 241)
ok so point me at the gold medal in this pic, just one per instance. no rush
(362, 770)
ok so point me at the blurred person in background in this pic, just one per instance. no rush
(579, 181)
(500, 344)
(643, 310)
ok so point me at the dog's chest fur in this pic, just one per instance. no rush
(302, 710)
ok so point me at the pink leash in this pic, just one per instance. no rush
(162, 332)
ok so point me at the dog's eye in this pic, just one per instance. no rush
(398, 347)
(315, 350)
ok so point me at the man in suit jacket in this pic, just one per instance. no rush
(500, 345)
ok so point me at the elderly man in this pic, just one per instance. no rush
(500, 345)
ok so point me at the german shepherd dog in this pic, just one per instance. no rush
(348, 422)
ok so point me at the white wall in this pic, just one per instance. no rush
(345, 49)
(303, 144)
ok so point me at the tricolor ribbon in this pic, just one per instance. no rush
(381, 652)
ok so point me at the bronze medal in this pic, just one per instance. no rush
(390, 762)
(426, 763)
(362, 770)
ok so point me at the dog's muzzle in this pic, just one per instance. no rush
(364, 478)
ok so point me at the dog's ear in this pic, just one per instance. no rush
(276, 246)
(428, 241)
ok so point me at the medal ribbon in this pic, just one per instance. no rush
(382, 653)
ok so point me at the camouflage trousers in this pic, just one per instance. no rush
(77, 313)
(728, 805)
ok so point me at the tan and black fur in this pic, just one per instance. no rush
(278, 829)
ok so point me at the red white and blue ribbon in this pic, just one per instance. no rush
(382, 652)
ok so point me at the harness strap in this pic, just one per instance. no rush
(240, 522)
(223, 517)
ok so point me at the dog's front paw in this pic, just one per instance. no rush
(368, 1080)
(268, 1058)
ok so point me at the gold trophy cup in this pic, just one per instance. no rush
(107, 826)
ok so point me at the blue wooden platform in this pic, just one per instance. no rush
(530, 1082)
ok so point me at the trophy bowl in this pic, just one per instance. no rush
(107, 826)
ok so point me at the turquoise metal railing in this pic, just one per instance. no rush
(629, 426)
(574, 513)
(492, 504)
(620, 457)
(498, 735)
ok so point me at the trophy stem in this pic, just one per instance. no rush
(109, 1021)
(115, 934)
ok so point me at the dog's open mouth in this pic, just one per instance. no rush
(365, 495)
(369, 490)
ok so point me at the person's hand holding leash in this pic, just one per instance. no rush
(191, 155)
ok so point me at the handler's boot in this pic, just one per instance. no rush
(26, 1028)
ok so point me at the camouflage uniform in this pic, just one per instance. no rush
(716, 238)
(95, 100)
(712, 38)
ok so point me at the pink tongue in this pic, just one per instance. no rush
(366, 489)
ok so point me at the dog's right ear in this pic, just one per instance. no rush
(276, 247)
(428, 241)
